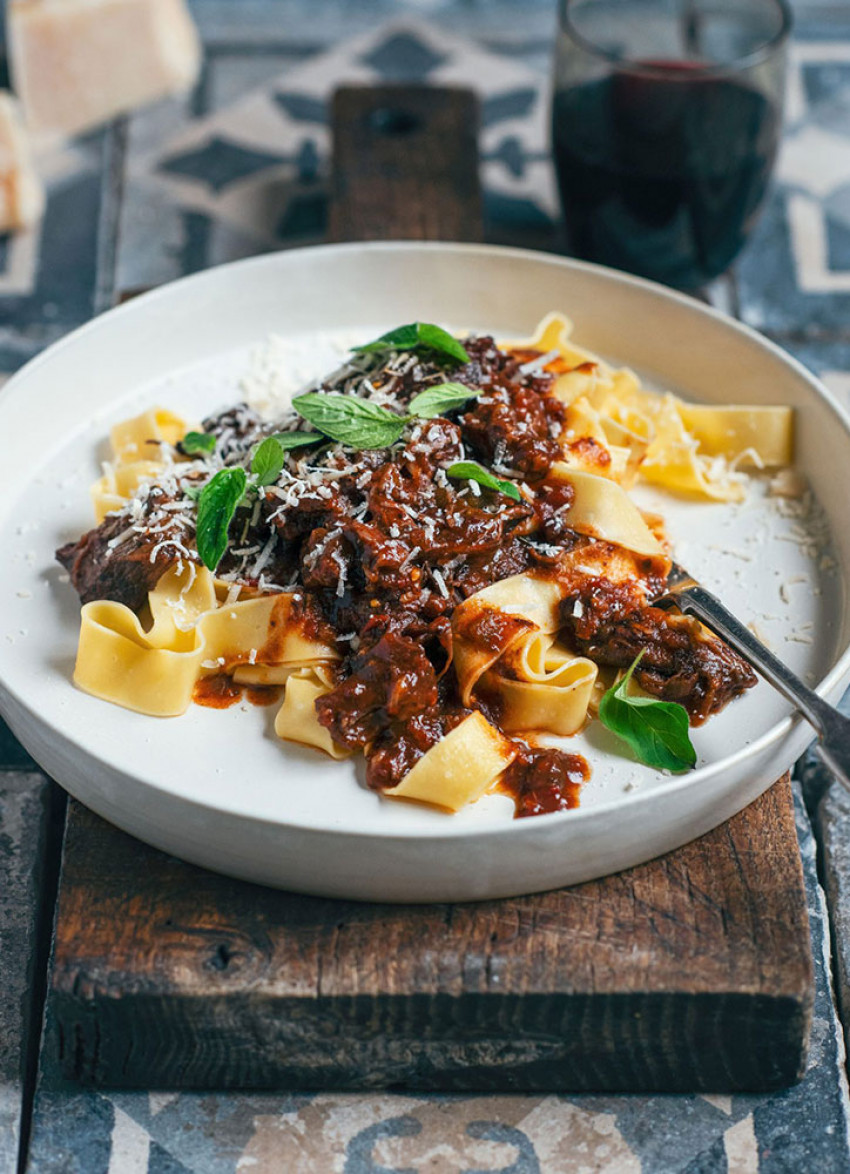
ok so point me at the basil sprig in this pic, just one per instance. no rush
(231, 487)
(270, 454)
(417, 336)
(361, 424)
(216, 506)
(444, 397)
(350, 420)
(267, 462)
(197, 442)
(657, 731)
(472, 471)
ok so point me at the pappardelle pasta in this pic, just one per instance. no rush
(431, 559)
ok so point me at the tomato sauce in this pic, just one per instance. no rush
(544, 780)
(218, 692)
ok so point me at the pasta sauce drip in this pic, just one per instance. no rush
(218, 692)
(262, 695)
(221, 691)
(541, 781)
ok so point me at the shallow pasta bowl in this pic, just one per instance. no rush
(215, 787)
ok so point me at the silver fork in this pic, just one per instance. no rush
(833, 729)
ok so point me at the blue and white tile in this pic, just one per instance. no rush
(48, 276)
(25, 804)
(251, 173)
(794, 277)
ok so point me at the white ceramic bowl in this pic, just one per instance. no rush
(215, 787)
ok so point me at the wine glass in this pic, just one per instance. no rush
(666, 116)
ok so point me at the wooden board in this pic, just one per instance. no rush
(405, 165)
(692, 972)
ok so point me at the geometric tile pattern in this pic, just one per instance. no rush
(256, 169)
(818, 111)
(795, 275)
(219, 163)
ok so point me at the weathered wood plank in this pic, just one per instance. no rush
(405, 164)
(693, 971)
(80, 1130)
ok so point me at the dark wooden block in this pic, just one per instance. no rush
(691, 972)
(405, 164)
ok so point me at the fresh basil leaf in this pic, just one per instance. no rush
(288, 440)
(434, 338)
(657, 731)
(350, 420)
(267, 462)
(216, 507)
(197, 442)
(472, 471)
(434, 401)
(193, 492)
(417, 336)
(403, 338)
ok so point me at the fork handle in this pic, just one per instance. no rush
(832, 727)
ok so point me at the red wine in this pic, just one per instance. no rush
(662, 174)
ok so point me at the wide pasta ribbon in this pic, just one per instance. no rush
(139, 437)
(541, 685)
(154, 669)
(689, 448)
(602, 509)
(114, 489)
(136, 457)
(697, 449)
(118, 662)
(297, 720)
(597, 444)
(498, 619)
(461, 768)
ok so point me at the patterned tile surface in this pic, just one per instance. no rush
(24, 808)
(240, 167)
(48, 276)
(795, 275)
(251, 173)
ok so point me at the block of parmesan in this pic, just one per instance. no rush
(21, 193)
(76, 63)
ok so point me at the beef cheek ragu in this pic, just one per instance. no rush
(380, 546)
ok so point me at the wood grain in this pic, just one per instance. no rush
(692, 972)
(405, 164)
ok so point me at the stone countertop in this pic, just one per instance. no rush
(183, 185)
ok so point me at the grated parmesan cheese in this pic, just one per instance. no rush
(440, 581)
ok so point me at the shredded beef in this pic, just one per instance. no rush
(399, 746)
(127, 571)
(392, 681)
(681, 661)
(235, 429)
